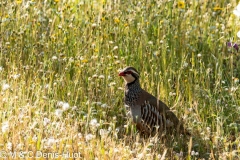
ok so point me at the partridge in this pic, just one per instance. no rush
(150, 115)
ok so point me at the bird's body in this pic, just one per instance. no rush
(150, 114)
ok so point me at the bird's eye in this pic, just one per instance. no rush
(127, 72)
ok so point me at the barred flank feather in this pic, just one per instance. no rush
(151, 117)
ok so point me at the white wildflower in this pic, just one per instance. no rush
(103, 133)
(208, 129)
(46, 86)
(236, 11)
(115, 47)
(16, 76)
(120, 88)
(71, 59)
(35, 138)
(104, 105)
(58, 112)
(115, 150)
(51, 141)
(74, 108)
(9, 146)
(60, 103)
(5, 87)
(98, 103)
(79, 135)
(54, 58)
(185, 64)
(140, 155)
(112, 84)
(117, 129)
(180, 154)
(233, 89)
(94, 25)
(65, 106)
(5, 127)
(101, 77)
(193, 153)
(87, 103)
(172, 94)
(94, 123)
(117, 62)
(46, 121)
(89, 137)
(150, 43)
(95, 76)
(238, 34)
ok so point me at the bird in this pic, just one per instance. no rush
(150, 115)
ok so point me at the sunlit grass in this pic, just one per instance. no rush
(60, 91)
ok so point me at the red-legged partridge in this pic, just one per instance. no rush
(150, 115)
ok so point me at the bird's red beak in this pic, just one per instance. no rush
(121, 74)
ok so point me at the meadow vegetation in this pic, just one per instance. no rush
(59, 84)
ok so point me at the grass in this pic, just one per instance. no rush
(60, 92)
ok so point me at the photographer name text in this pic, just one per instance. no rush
(38, 154)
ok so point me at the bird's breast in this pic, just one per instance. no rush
(131, 98)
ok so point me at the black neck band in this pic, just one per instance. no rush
(132, 82)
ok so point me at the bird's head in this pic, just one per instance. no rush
(129, 74)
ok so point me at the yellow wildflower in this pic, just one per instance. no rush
(116, 20)
(181, 4)
(95, 50)
(236, 80)
(56, 1)
(77, 64)
(84, 60)
(217, 9)
(18, 1)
